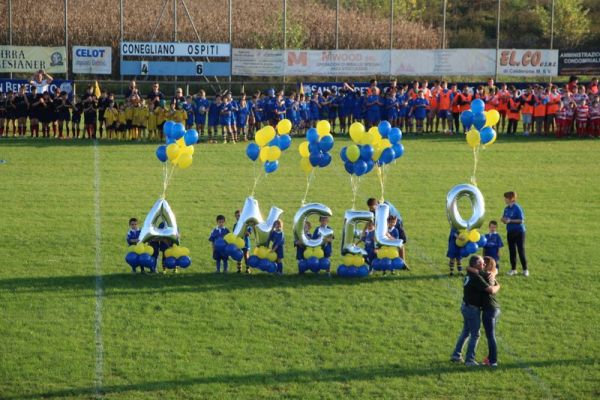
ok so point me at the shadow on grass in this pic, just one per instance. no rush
(299, 376)
(123, 284)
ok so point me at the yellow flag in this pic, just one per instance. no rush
(301, 88)
(97, 92)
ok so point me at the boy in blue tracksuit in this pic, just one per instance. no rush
(201, 105)
(246, 248)
(324, 221)
(277, 241)
(493, 243)
(219, 233)
(453, 252)
(368, 238)
(419, 110)
(133, 235)
(214, 110)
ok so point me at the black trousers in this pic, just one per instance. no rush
(516, 242)
(512, 126)
(456, 119)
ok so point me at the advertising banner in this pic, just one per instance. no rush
(33, 58)
(337, 62)
(527, 62)
(91, 60)
(8, 85)
(437, 62)
(175, 49)
(258, 62)
(574, 62)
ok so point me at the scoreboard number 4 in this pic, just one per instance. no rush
(144, 68)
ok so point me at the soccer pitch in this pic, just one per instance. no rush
(75, 323)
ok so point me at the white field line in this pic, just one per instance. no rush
(505, 347)
(99, 372)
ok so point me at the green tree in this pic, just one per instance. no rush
(571, 22)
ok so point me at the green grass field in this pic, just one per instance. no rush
(76, 324)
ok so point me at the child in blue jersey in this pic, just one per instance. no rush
(300, 247)
(323, 223)
(453, 252)
(325, 103)
(201, 105)
(219, 233)
(358, 111)
(493, 243)
(277, 241)
(346, 107)
(393, 232)
(214, 109)
(315, 109)
(420, 110)
(334, 105)
(392, 108)
(373, 104)
(246, 248)
(133, 235)
(188, 107)
(243, 114)
(280, 108)
(368, 238)
(226, 119)
(304, 113)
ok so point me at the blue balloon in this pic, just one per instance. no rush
(479, 120)
(161, 153)
(395, 135)
(342, 270)
(301, 266)
(230, 249)
(169, 140)
(376, 264)
(398, 150)
(370, 165)
(314, 148)
(325, 160)
(170, 262)
(324, 263)
(397, 263)
(386, 264)
(284, 142)
(145, 260)
(253, 261)
(184, 261)
(363, 271)
(366, 152)
(360, 168)
(312, 263)
(132, 259)
(237, 254)
(177, 131)
(152, 264)
(253, 151)
(387, 156)
(168, 128)
(482, 241)
(352, 272)
(349, 166)
(315, 269)
(315, 159)
(312, 136)
(220, 245)
(471, 248)
(487, 135)
(477, 106)
(190, 137)
(264, 264)
(326, 143)
(272, 267)
(384, 128)
(274, 141)
(343, 154)
(467, 119)
(271, 166)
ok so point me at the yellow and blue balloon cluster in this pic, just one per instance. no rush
(387, 259)
(478, 124)
(179, 147)
(380, 144)
(353, 266)
(230, 246)
(315, 150)
(140, 255)
(469, 241)
(269, 144)
(314, 260)
(264, 259)
(177, 256)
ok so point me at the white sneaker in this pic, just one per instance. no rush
(512, 272)
(526, 272)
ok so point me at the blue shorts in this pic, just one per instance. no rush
(213, 121)
(444, 114)
(200, 119)
(453, 251)
(526, 118)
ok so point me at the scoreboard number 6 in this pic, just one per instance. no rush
(199, 68)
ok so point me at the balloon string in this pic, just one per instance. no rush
(165, 169)
(168, 180)
(354, 183)
(475, 162)
(256, 180)
(382, 174)
(309, 179)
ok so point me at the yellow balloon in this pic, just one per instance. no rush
(274, 153)
(149, 250)
(474, 236)
(184, 251)
(318, 252)
(131, 248)
(461, 243)
(261, 138)
(473, 138)
(263, 252)
(303, 149)
(358, 261)
(491, 142)
(308, 253)
(353, 153)
(229, 238)
(140, 248)
(269, 133)
(323, 128)
(272, 256)
(305, 165)
(256, 252)
(377, 153)
(184, 161)
(348, 260)
(180, 142)
(169, 252)
(176, 251)
(492, 117)
(188, 150)
(356, 131)
(239, 243)
(264, 154)
(173, 151)
(377, 138)
(385, 144)
(284, 126)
